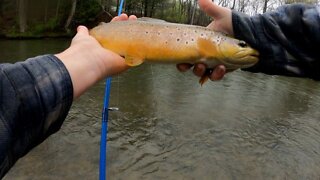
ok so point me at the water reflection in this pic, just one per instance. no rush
(15, 50)
(248, 126)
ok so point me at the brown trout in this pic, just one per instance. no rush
(155, 40)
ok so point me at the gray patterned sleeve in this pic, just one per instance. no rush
(288, 40)
(35, 97)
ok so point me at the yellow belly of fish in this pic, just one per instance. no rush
(137, 52)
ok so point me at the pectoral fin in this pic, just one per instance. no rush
(203, 79)
(207, 48)
(133, 61)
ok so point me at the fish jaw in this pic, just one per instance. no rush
(234, 56)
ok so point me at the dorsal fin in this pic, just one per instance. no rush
(147, 19)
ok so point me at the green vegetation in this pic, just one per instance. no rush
(87, 11)
(54, 18)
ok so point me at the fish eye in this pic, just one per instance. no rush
(243, 44)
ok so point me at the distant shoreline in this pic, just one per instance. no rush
(21, 36)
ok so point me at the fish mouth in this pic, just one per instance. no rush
(239, 57)
(236, 52)
(246, 57)
(248, 52)
(255, 54)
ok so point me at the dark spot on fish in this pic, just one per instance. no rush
(187, 42)
(201, 34)
(192, 39)
(178, 39)
(159, 33)
(195, 31)
(166, 42)
(147, 32)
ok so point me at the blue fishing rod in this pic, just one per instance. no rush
(105, 117)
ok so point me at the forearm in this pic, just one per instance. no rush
(35, 97)
(85, 69)
(287, 40)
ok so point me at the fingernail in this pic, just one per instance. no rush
(78, 28)
(220, 70)
(81, 28)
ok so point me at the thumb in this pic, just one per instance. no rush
(82, 30)
(212, 9)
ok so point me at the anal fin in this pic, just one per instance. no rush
(133, 61)
(134, 56)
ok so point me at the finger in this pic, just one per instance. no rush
(82, 30)
(115, 18)
(133, 17)
(183, 67)
(199, 70)
(123, 17)
(218, 73)
(212, 26)
(116, 64)
(211, 8)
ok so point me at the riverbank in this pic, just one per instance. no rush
(30, 35)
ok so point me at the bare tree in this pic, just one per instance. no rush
(265, 6)
(46, 11)
(57, 9)
(193, 11)
(22, 11)
(145, 5)
(71, 14)
(301, 1)
(233, 4)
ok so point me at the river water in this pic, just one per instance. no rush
(247, 126)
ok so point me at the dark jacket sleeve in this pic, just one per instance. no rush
(35, 97)
(288, 40)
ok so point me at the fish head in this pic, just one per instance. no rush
(237, 53)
